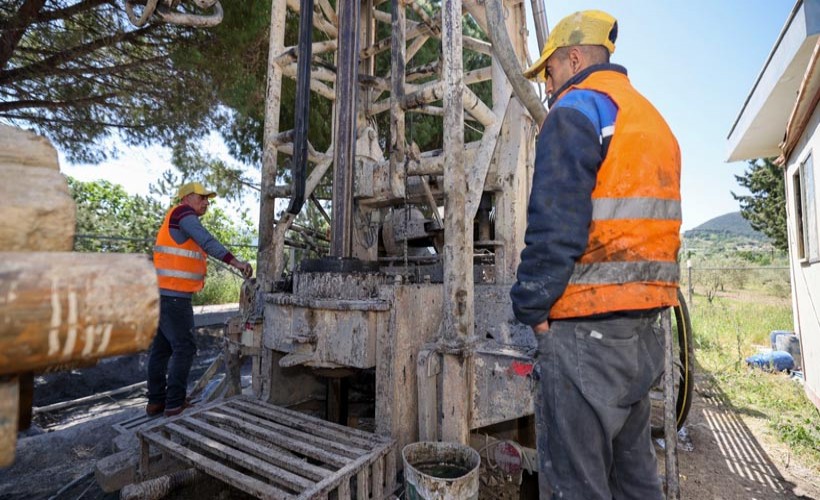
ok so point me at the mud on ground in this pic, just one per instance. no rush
(734, 454)
(63, 445)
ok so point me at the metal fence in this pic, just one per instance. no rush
(305, 243)
(710, 282)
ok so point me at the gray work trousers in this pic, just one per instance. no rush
(592, 408)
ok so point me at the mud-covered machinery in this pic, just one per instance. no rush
(424, 244)
(425, 237)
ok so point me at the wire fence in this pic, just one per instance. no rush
(304, 243)
(707, 281)
(124, 244)
(711, 282)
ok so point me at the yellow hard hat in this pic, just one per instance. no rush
(587, 27)
(195, 188)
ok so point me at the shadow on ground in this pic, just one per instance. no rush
(729, 461)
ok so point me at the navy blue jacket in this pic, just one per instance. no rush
(571, 147)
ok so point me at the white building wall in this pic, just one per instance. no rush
(805, 274)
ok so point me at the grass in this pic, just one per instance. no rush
(728, 330)
(221, 287)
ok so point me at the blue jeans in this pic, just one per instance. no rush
(172, 352)
(592, 408)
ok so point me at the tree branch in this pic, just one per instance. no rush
(11, 37)
(67, 12)
(44, 104)
(90, 71)
(49, 63)
(44, 119)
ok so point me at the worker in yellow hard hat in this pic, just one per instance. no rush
(180, 258)
(599, 266)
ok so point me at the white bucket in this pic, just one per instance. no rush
(440, 471)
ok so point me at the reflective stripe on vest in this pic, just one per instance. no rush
(603, 273)
(192, 254)
(635, 208)
(180, 274)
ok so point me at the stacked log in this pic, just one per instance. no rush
(56, 306)
(36, 209)
(62, 306)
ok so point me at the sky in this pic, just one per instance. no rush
(695, 60)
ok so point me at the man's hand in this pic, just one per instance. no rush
(541, 328)
(244, 267)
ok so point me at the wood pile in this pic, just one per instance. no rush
(56, 306)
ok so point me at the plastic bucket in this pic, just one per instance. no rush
(775, 334)
(791, 344)
(444, 471)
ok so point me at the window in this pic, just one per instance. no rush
(806, 233)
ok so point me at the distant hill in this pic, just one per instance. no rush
(731, 224)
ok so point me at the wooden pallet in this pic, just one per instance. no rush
(272, 452)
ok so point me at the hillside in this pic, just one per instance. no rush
(731, 224)
(725, 235)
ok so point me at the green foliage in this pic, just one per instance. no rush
(175, 85)
(234, 58)
(226, 179)
(726, 273)
(221, 287)
(765, 207)
(798, 432)
(80, 71)
(426, 130)
(222, 284)
(729, 330)
(755, 258)
(238, 237)
(106, 209)
(111, 220)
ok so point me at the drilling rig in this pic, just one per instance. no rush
(424, 245)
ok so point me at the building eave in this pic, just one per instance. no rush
(760, 126)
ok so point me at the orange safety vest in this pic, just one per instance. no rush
(630, 262)
(180, 267)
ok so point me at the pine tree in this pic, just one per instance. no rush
(77, 71)
(765, 207)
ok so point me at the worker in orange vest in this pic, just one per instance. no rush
(599, 266)
(180, 258)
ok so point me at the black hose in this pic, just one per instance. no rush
(298, 162)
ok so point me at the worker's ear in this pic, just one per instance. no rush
(576, 59)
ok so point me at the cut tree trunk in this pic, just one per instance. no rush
(36, 208)
(60, 307)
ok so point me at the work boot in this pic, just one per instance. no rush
(154, 409)
(171, 412)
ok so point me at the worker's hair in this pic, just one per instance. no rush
(597, 54)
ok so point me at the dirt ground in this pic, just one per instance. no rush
(734, 456)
